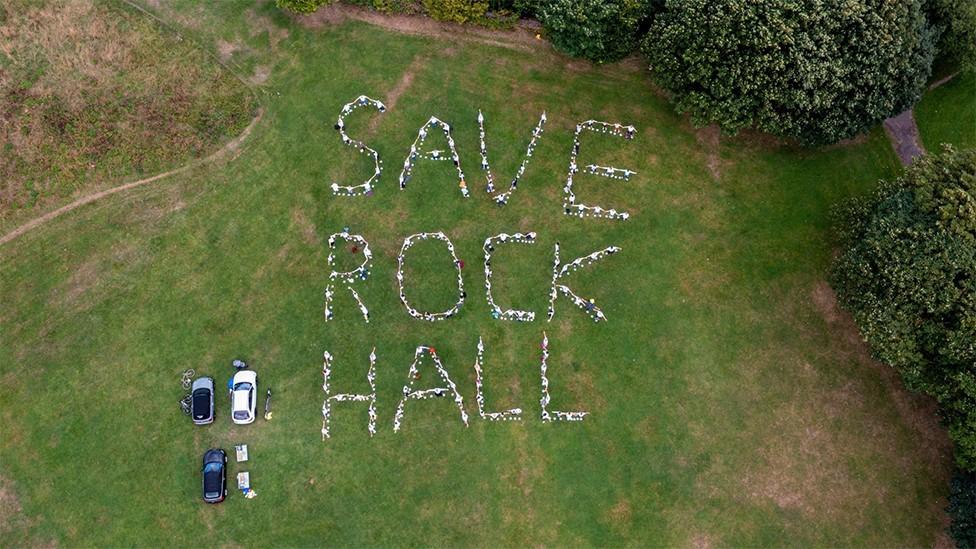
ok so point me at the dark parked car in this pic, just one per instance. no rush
(214, 475)
(202, 403)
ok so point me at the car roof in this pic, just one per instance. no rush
(241, 400)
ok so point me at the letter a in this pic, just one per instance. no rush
(423, 394)
(416, 154)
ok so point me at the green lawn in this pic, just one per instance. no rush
(730, 402)
(947, 114)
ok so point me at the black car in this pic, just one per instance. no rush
(214, 475)
(202, 401)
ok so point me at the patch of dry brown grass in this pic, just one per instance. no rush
(827, 442)
(95, 278)
(226, 50)
(619, 516)
(261, 75)
(306, 227)
(803, 463)
(916, 411)
(710, 138)
(259, 24)
(92, 92)
(10, 509)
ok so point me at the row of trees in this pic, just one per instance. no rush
(818, 71)
(600, 22)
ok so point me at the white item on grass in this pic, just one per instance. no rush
(244, 480)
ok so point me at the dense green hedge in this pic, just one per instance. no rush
(908, 275)
(598, 30)
(480, 12)
(457, 11)
(957, 20)
(816, 70)
(527, 8)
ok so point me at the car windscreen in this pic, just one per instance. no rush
(241, 414)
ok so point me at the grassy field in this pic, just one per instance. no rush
(948, 113)
(92, 92)
(731, 401)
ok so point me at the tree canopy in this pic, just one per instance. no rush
(957, 21)
(816, 70)
(598, 30)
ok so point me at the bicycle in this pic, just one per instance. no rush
(187, 378)
(185, 404)
(187, 381)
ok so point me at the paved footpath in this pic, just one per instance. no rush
(903, 133)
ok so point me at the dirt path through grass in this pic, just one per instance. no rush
(229, 149)
(943, 80)
(523, 37)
